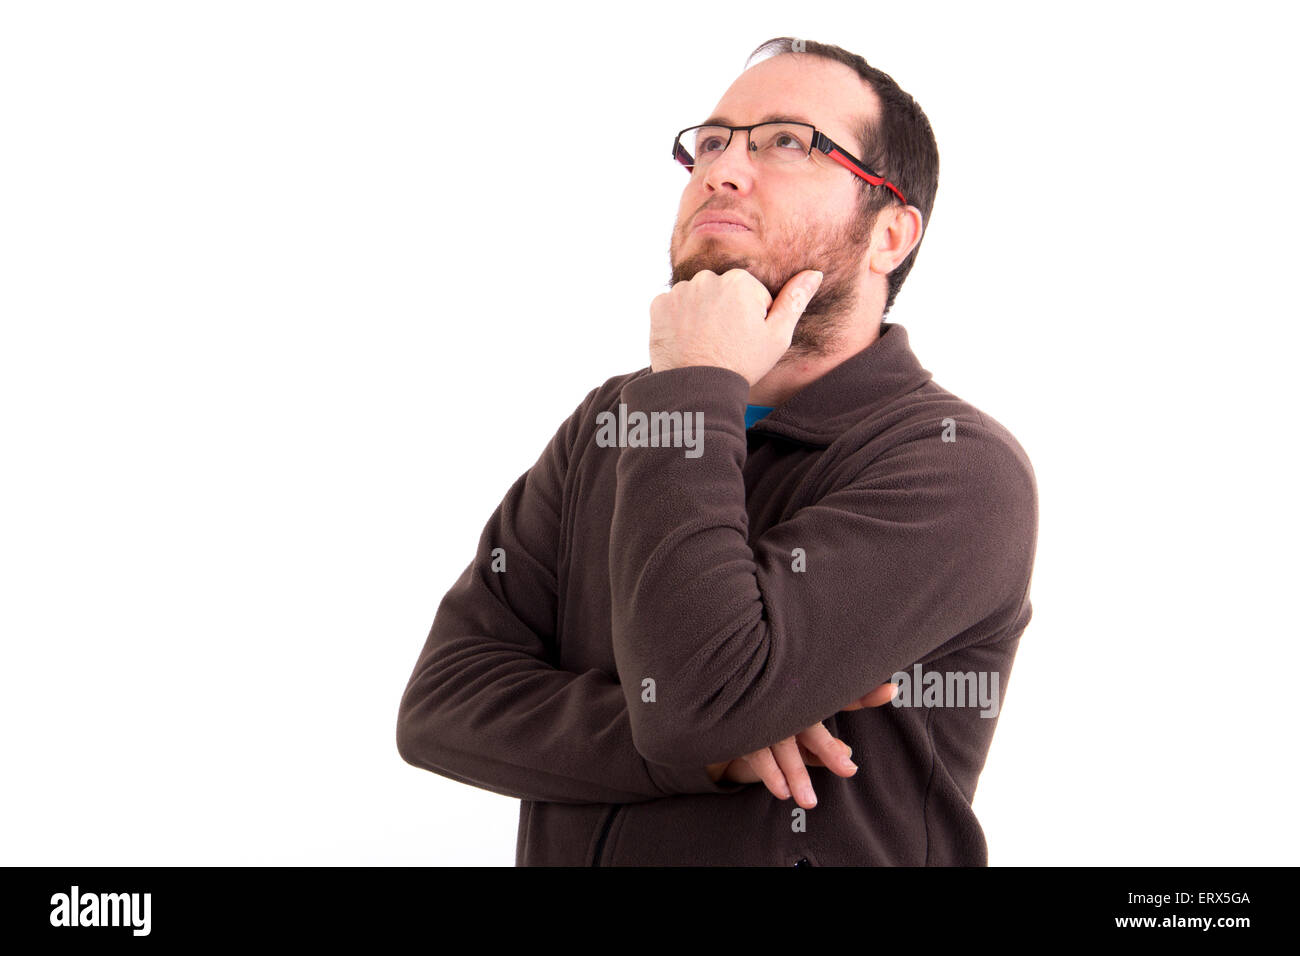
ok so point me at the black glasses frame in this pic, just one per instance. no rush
(820, 141)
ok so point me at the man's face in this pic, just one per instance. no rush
(803, 215)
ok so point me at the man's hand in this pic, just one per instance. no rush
(781, 767)
(725, 320)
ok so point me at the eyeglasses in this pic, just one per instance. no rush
(775, 143)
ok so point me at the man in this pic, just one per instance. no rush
(692, 606)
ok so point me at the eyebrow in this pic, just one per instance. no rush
(769, 118)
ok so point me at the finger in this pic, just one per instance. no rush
(792, 300)
(739, 771)
(833, 752)
(747, 279)
(796, 774)
(881, 695)
(810, 759)
(764, 764)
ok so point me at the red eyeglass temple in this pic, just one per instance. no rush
(836, 155)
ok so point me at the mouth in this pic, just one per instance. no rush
(716, 226)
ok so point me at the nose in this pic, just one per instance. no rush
(733, 166)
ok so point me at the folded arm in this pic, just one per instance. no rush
(486, 704)
(904, 556)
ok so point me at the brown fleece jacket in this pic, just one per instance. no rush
(636, 612)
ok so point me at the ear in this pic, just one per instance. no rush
(898, 231)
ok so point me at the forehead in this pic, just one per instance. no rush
(800, 88)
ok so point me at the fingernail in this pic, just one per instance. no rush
(851, 764)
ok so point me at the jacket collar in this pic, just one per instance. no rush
(827, 407)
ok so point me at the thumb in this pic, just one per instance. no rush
(794, 298)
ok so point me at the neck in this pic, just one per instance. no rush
(793, 372)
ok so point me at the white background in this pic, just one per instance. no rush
(293, 292)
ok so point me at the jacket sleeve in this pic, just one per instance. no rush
(928, 545)
(486, 704)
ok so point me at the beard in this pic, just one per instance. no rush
(838, 253)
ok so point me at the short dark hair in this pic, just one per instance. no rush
(901, 147)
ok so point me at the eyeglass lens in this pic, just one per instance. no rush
(768, 142)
